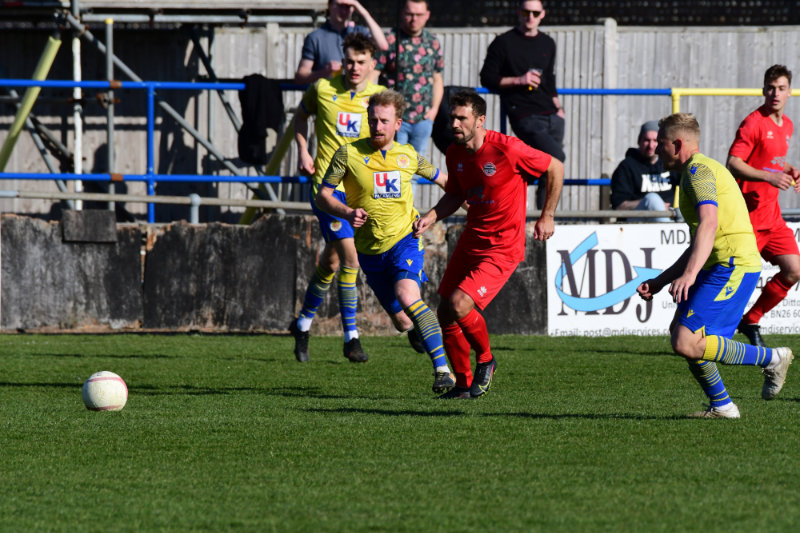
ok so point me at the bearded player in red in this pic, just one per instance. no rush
(488, 170)
(757, 159)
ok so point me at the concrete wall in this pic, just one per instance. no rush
(214, 277)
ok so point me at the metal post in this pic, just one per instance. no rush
(77, 107)
(151, 215)
(75, 23)
(110, 104)
(194, 208)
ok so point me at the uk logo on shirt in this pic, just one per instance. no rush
(386, 184)
(349, 124)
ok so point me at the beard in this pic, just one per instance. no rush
(464, 139)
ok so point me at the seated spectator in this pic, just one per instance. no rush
(322, 48)
(640, 181)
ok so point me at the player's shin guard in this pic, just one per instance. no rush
(348, 301)
(772, 294)
(731, 352)
(315, 293)
(707, 375)
(428, 327)
(457, 349)
(474, 327)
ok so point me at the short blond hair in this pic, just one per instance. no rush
(680, 125)
(389, 97)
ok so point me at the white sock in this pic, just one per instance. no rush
(303, 323)
(350, 335)
(443, 368)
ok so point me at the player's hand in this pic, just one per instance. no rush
(781, 180)
(420, 226)
(306, 164)
(544, 228)
(795, 174)
(649, 288)
(357, 217)
(680, 288)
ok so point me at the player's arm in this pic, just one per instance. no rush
(545, 226)
(700, 249)
(653, 286)
(743, 171)
(325, 199)
(447, 205)
(306, 162)
(426, 169)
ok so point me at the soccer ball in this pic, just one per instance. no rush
(105, 391)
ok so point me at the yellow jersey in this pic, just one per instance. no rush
(341, 117)
(705, 180)
(379, 181)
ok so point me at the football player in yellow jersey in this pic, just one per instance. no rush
(713, 279)
(340, 106)
(376, 173)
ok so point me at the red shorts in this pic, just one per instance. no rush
(778, 240)
(479, 277)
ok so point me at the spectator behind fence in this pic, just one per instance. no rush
(322, 48)
(640, 181)
(413, 66)
(519, 65)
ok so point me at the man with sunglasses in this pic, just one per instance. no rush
(519, 65)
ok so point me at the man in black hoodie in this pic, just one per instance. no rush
(640, 181)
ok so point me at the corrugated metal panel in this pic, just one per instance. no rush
(670, 57)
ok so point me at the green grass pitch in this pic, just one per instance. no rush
(229, 433)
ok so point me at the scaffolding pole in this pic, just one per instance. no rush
(86, 34)
(25, 106)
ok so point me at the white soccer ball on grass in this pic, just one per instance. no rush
(105, 391)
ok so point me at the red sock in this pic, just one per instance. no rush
(772, 294)
(457, 349)
(474, 327)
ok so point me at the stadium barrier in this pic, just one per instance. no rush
(151, 178)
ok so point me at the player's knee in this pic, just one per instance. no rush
(461, 304)
(792, 275)
(686, 347)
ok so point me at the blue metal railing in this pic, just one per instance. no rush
(150, 87)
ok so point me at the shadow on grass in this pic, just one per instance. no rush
(42, 384)
(103, 355)
(533, 416)
(193, 390)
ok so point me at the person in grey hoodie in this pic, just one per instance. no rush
(640, 181)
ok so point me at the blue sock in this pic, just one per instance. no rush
(707, 375)
(731, 352)
(425, 321)
(317, 288)
(348, 300)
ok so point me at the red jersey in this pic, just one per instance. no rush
(763, 145)
(491, 181)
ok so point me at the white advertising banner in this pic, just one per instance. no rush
(593, 272)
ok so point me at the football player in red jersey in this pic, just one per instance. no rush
(757, 159)
(489, 171)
